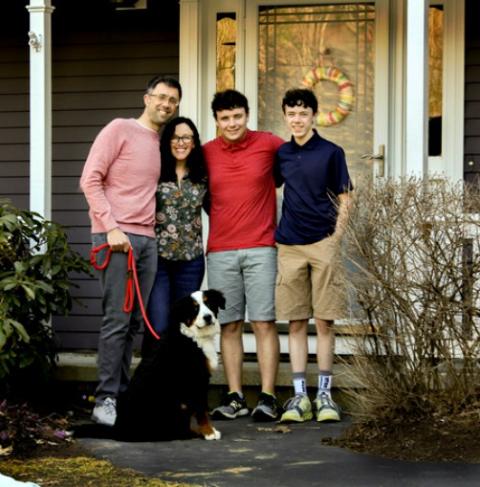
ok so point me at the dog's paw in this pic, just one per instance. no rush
(214, 435)
(185, 330)
(213, 362)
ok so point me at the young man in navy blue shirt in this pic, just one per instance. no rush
(309, 281)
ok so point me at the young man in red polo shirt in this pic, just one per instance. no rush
(241, 258)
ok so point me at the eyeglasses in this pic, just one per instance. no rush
(165, 98)
(185, 139)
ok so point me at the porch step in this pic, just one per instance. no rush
(82, 367)
(346, 335)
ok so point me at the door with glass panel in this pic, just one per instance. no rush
(338, 49)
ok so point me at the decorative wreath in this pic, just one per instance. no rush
(345, 90)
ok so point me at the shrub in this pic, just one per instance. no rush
(35, 262)
(411, 247)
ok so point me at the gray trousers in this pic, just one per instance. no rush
(118, 329)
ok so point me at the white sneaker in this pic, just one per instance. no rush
(105, 412)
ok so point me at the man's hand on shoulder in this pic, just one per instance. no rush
(118, 240)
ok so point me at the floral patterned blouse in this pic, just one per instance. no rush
(178, 219)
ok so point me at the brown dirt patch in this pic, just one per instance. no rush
(430, 439)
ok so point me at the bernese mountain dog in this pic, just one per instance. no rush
(167, 396)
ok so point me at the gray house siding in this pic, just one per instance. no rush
(472, 93)
(102, 60)
(14, 105)
(99, 74)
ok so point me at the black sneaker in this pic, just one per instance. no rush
(233, 407)
(267, 408)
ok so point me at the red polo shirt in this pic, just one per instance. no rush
(242, 191)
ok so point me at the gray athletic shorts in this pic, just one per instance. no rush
(247, 279)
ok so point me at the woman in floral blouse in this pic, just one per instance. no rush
(180, 194)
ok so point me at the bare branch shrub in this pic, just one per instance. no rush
(414, 272)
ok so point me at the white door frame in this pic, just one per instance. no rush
(450, 164)
(198, 56)
(246, 66)
(390, 73)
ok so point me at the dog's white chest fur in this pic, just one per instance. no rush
(205, 339)
(203, 330)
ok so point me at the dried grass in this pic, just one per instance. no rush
(78, 472)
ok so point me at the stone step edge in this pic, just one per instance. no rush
(82, 367)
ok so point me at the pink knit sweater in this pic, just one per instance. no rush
(120, 178)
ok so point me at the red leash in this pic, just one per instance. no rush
(132, 282)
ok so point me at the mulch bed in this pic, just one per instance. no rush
(428, 439)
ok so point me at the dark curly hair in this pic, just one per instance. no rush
(228, 100)
(300, 97)
(195, 161)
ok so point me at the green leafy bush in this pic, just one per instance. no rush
(35, 262)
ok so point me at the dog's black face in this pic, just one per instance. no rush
(195, 317)
(213, 299)
(200, 309)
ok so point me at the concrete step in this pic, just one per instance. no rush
(82, 367)
(346, 335)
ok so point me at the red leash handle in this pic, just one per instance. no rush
(131, 286)
(93, 257)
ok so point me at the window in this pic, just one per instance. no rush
(226, 51)
(435, 91)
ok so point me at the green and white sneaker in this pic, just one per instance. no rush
(326, 408)
(297, 409)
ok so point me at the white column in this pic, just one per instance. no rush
(40, 107)
(190, 78)
(416, 130)
(189, 59)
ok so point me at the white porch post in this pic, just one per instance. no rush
(40, 107)
(189, 59)
(416, 131)
(190, 79)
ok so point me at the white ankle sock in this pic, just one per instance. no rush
(300, 383)
(324, 382)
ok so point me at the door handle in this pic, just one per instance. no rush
(378, 161)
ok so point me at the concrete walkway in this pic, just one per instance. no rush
(267, 455)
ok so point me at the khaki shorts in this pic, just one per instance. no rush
(310, 281)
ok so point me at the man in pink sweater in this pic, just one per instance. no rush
(119, 181)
